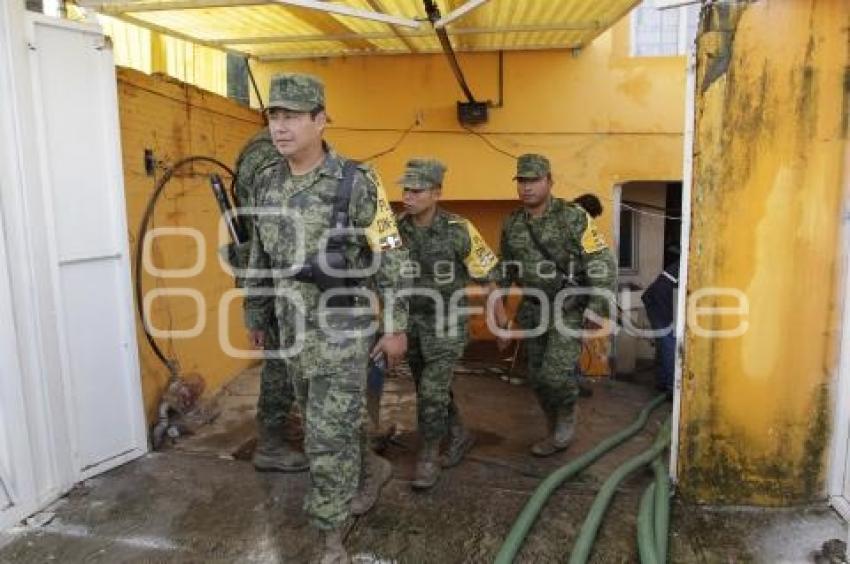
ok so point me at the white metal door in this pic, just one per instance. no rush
(70, 395)
(74, 87)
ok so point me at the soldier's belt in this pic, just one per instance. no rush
(328, 278)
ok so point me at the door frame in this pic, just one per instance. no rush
(685, 239)
(840, 453)
(685, 246)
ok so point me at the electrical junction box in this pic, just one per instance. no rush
(472, 113)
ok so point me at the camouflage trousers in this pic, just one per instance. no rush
(432, 360)
(552, 360)
(332, 402)
(276, 392)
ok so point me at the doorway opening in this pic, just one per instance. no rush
(648, 243)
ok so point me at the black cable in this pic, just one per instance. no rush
(256, 91)
(170, 364)
(490, 143)
(501, 82)
(233, 197)
(466, 130)
(446, 43)
(505, 133)
(393, 147)
(433, 12)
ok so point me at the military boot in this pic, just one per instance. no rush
(378, 471)
(379, 436)
(334, 550)
(427, 466)
(560, 436)
(274, 454)
(461, 442)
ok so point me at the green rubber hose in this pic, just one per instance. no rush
(646, 527)
(581, 550)
(662, 508)
(513, 542)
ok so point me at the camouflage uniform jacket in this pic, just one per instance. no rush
(292, 226)
(258, 153)
(445, 255)
(571, 237)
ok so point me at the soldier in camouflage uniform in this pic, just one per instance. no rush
(326, 348)
(569, 237)
(446, 252)
(273, 453)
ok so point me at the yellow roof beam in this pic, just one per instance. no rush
(458, 11)
(343, 10)
(331, 27)
(331, 54)
(176, 34)
(378, 6)
(454, 31)
(110, 7)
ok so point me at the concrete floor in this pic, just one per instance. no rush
(201, 501)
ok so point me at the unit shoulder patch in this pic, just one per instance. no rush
(382, 233)
(481, 259)
(591, 240)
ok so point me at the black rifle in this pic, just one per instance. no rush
(230, 217)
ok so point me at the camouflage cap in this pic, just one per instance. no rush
(296, 92)
(422, 174)
(531, 165)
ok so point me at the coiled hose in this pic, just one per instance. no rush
(170, 364)
(160, 428)
(513, 542)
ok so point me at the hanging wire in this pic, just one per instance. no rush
(394, 146)
(490, 143)
(171, 363)
(644, 212)
(572, 188)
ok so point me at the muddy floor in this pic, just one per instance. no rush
(200, 500)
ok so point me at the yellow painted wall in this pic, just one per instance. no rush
(771, 131)
(601, 116)
(176, 120)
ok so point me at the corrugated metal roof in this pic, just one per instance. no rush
(278, 29)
